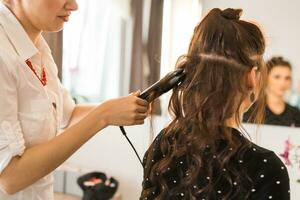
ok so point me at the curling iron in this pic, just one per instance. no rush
(170, 81)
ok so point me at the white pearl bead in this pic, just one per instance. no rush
(262, 176)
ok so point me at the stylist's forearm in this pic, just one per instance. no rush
(40, 160)
(80, 111)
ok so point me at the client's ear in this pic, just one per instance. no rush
(252, 78)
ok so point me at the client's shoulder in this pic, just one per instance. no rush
(261, 158)
(257, 154)
(258, 150)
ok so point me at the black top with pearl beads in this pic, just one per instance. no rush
(267, 172)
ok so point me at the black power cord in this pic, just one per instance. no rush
(135, 151)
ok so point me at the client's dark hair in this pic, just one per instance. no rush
(277, 61)
(222, 52)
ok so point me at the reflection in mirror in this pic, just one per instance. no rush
(283, 41)
(278, 82)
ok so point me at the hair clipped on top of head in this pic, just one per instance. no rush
(232, 14)
(278, 61)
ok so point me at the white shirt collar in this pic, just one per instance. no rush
(23, 45)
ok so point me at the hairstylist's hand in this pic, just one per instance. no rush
(125, 111)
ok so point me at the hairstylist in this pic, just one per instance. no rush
(34, 105)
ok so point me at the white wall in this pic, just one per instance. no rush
(280, 21)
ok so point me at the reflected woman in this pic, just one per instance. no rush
(277, 110)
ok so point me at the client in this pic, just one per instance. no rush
(202, 153)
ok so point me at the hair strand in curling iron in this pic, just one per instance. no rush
(162, 86)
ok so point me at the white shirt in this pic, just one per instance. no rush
(27, 114)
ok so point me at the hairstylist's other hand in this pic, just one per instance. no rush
(125, 111)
